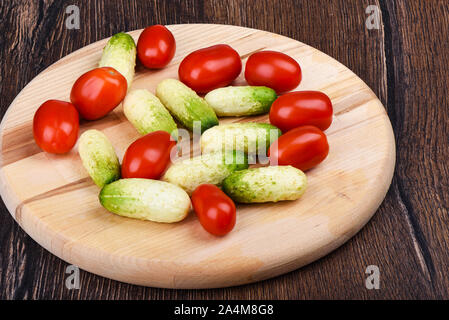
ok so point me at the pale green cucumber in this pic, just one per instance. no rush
(120, 54)
(147, 114)
(185, 105)
(241, 101)
(249, 137)
(98, 157)
(207, 168)
(146, 199)
(266, 184)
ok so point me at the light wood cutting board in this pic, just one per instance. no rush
(56, 203)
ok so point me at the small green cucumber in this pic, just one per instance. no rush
(207, 168)
(120, 54)
(147, 114)
(241, 101)
(249, 137)
(265, 184)
(146, 199)
(98, 157)
(185, 105)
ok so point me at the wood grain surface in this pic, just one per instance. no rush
(404, 62)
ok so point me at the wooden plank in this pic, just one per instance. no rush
(419, 105)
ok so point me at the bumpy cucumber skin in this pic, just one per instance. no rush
(146, 199)
(120, 54)
(185, 105)
(147, 114)
(267, 184)
(245, 137)
(208, 168)
(241, 101)
(98, 157)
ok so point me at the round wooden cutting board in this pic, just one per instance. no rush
(56, 203)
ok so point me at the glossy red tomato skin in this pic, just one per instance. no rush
(295, 109)
(156, 47)
(148, 156)
(273, 69)
(210, 68)
(56, 126)
(215, 210)
(303, 148)
(97, 92)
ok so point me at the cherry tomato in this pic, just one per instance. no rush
(301, 108)
(97, 92)
(209, 68)
(156, 47)
(148, 156)
(56, 126)
(215, 210)
(303, 148)
(273, 69)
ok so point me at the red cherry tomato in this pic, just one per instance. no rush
(273, 69)
(98, 91)
(56, 126)
(209, 68)
(301, 108)
(148, 156)
(156, 46)
(303, 148)
(215, 210)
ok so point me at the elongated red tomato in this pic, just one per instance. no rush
(215, 210)
(56, 126)
(209, 68)
(156, 46)
(303, 148)
(300, 108)
(148, 156)
(97, 92)
(273, 69)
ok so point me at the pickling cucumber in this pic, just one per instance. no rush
(120, 54)
(248, 137)
(146, 199)
(147, 114)
(266, 184)
(185, 105)
(207, 168)
(98, 157)
(241, 101)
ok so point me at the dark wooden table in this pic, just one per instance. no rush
(405, 62)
